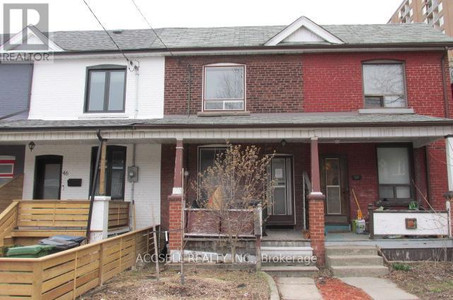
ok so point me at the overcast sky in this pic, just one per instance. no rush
(115, 14)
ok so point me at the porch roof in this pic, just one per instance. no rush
(281, 120)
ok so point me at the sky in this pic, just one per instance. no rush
(122, 14)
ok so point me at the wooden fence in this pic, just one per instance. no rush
(118, 214)
(69, 274)
(8, 221)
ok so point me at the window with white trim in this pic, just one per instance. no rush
(394, 177)
(224, 87)
(384, 85)
(7, 166)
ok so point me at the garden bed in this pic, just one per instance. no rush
(206, 284)
(427, 280)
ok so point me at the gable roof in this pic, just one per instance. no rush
(382, 35)
(41, 42)
(303, 30)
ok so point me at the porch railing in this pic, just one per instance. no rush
(408, 223)
(210, 223)
(71, 273)
(118, 215)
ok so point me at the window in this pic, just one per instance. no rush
(7, 166)
(394, 174)
(206, 159)
(224, 87)
(105, 89)
(384, 85)
(115, 168)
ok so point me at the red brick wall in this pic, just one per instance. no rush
(437, 174)
(273, 82)
(421, 184)
(166, 174)
(306, 82)
(333, 82)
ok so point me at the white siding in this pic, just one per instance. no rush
(58, 90)
(76, 164)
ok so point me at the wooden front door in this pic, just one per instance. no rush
(48, 177)
(280, 210)
(334, 185)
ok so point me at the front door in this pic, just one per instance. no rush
(47, 177)
(280, 210)
(334, 185)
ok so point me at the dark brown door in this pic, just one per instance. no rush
(280, 210)
(47, 177)
(334, 185)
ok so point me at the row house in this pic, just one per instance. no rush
(359, 110)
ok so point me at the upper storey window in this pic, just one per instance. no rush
(384, 85)
(224, 87)
(106, 88)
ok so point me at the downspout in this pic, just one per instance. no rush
(448, 140)
(444, 86)
(134, 151)
(93, 183)
(189, 89)
(137, 85)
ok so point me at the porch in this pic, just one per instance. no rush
(324, 176)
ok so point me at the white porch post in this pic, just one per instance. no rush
(100, 218)
(449, 146)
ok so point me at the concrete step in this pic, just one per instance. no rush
(351, 250)
(289, 243)
(359, 271)
(290, 271)
(272, 253)
(354, 260)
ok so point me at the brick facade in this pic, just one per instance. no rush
(330, 82)
(333, 82)
(307, 82)
(437, 174)
(273, 83)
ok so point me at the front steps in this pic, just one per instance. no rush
(355, 261)
(287, 258)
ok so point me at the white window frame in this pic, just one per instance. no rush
(243, 100)
(8, 161)
(384, 62)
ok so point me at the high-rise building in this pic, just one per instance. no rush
(438, 13)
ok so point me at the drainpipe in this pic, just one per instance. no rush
(444, 85)
(137, 85)
(134, 151)
(448, 139)
(93, 183)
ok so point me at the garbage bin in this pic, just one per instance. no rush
(62, 242)
(32, 251)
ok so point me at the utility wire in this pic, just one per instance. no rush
(110, 36)
(151, 27)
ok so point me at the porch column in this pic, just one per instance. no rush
(176, 202)
(316, 207)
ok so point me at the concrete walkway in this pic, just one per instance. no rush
(298, 288)
(378, 288)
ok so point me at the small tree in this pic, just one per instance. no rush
(237, 182)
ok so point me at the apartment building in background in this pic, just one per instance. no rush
(438, 13)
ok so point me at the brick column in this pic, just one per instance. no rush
(176, 202)
(316, 207)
